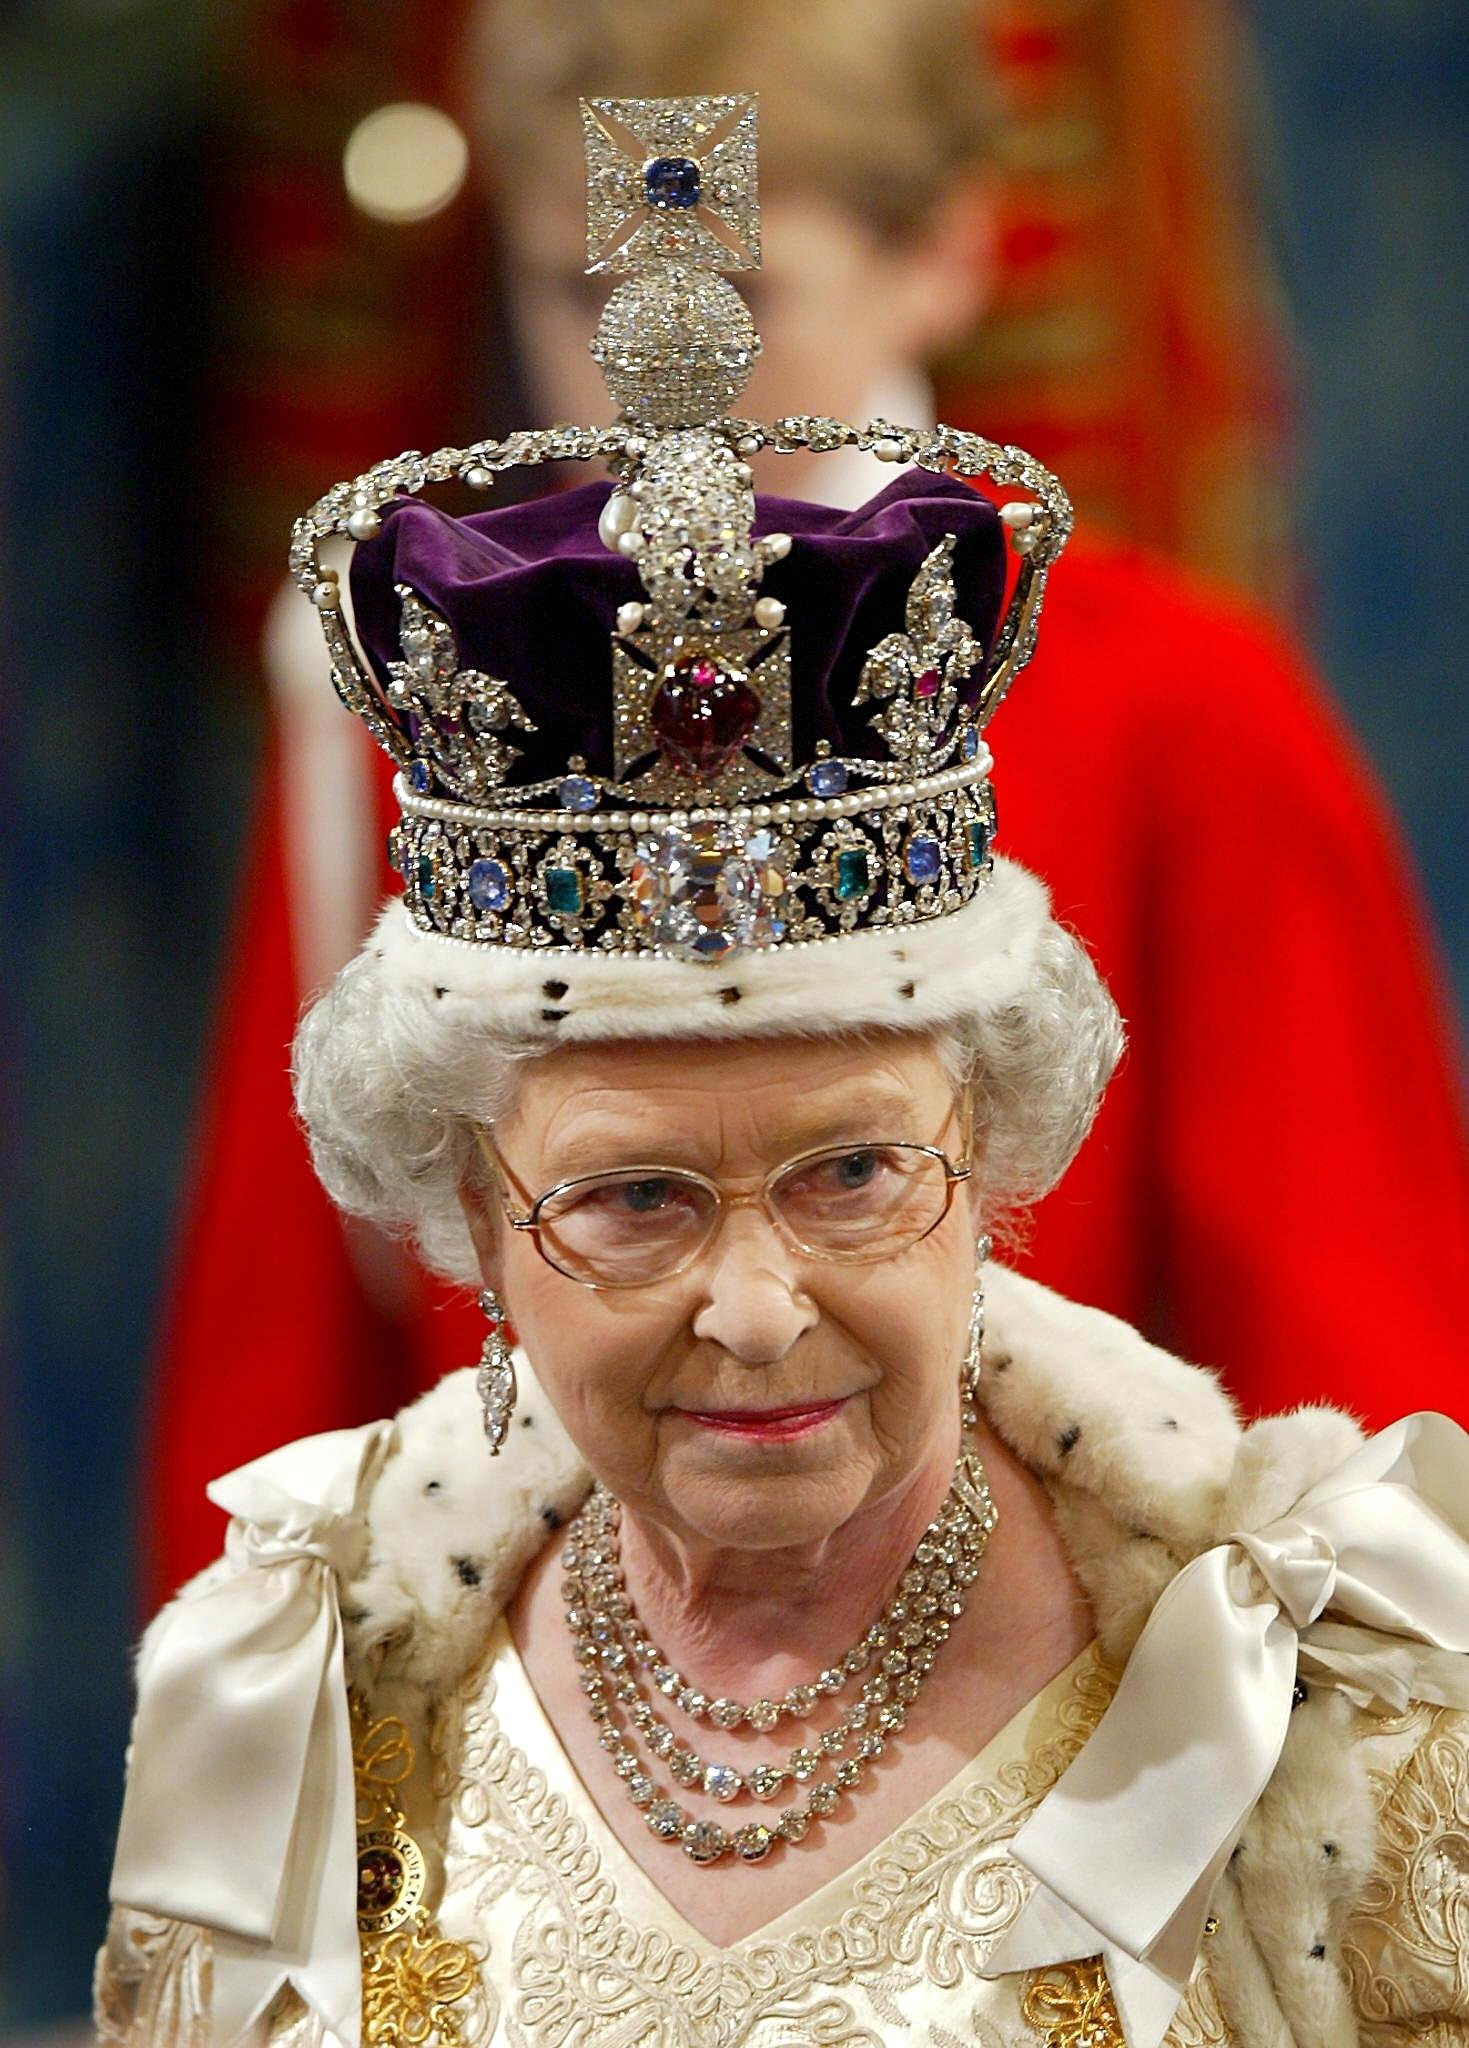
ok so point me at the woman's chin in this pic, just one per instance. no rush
(765, 1496)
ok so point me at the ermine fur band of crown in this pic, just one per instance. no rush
(704, 835)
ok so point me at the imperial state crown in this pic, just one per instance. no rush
(661, 716)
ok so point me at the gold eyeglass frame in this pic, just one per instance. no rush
(955, 1174)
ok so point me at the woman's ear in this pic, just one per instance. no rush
(482, 1224)
(974, 1187)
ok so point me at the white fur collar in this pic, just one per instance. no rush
(1144, 1457)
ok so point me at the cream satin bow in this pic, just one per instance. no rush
(240, 1812)
(1128, 1846)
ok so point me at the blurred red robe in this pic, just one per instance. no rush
(1277, 1183)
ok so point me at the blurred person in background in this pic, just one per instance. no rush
(1168, 739)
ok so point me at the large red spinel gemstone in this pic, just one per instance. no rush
(702, 715)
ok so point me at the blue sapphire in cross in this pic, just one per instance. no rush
(672, 183)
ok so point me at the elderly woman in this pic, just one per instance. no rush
(850, 1641)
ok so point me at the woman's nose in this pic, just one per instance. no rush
(755, 1304)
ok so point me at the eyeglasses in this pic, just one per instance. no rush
(851, 1203)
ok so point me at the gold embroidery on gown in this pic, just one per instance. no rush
(1406, 1948)
(152, 1982)
(583, 1949)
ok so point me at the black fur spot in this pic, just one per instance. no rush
(1068, 1438)
(1329, 1851)
(527, 1421)
(1318, 1953)
(907, 989)
(730, 995)
(470, 1574)
(1170, 1422)
(551, 1517)
(552, 1016)
(554, 989)
(441, 991)
(433, 1486)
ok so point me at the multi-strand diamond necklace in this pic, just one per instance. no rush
(614, 1651)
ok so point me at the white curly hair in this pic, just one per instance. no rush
(389, 1082)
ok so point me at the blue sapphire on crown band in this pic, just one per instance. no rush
(923, 858)
(577, 793)
(826, 778)
(488, 884)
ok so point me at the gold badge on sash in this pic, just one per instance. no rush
(411, 1977)
(1071, 2005)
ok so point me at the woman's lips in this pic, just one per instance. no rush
(768, 1425)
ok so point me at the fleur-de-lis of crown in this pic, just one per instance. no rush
(919, 676)
(455, 718)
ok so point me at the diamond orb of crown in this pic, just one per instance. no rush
(676, 345)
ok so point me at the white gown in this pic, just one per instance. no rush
(581, 1948)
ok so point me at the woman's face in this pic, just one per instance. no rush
(752, 1324)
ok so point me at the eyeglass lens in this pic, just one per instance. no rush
(851, 1202)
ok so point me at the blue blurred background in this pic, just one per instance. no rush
(134, 724)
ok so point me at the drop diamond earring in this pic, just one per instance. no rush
(496, 1382)
(969, 1372)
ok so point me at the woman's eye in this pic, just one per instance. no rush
(619, 1200)
(842, 1173)
(644, 1196)
(854, 1169)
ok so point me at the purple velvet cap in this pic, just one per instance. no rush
(531, 594)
